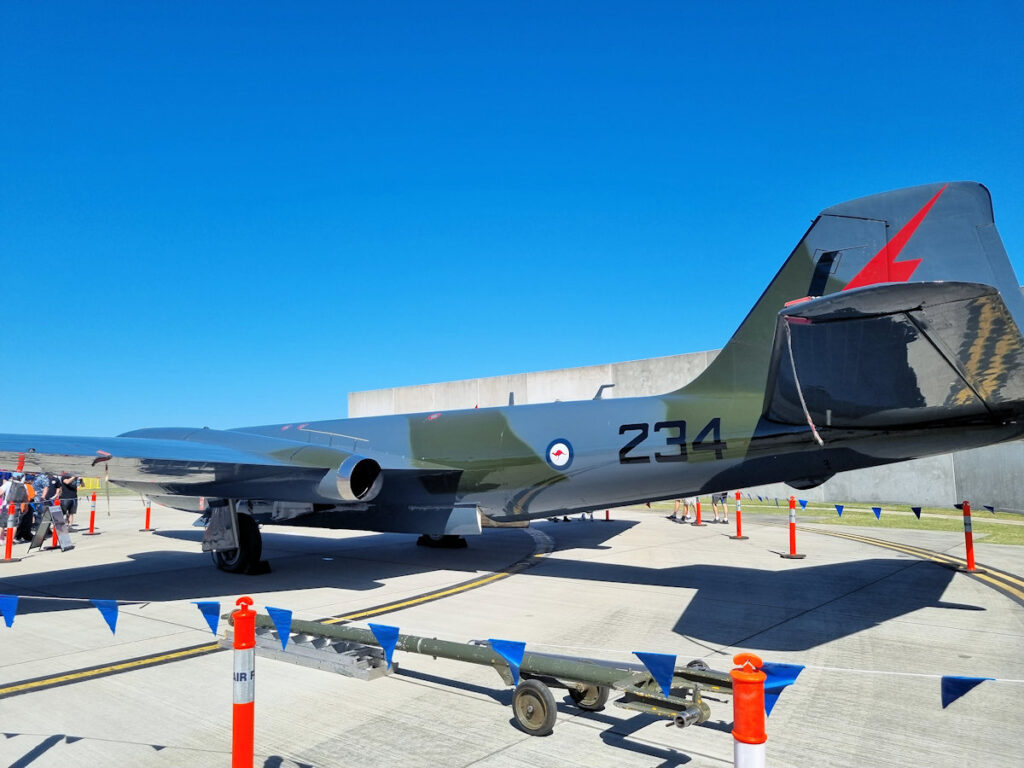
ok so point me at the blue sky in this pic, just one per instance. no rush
(227, 214)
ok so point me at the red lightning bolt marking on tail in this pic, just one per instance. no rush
(883, 267)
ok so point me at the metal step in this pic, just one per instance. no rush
(364, 662)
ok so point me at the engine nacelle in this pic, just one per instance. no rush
(357, 479)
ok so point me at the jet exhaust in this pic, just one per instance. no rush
(357, 479)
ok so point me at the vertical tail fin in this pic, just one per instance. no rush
(935, 232)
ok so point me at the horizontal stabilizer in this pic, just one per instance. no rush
(897, 355)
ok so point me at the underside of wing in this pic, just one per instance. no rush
(215, 463)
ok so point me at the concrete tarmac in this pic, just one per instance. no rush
(875, 628)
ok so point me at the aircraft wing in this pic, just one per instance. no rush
(897, 355)
(206, 462)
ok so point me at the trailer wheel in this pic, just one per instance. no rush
(698, 665)
(589, 697)
(533, 706)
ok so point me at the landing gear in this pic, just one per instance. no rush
(245, 559)
(533, 706)
(441, 542)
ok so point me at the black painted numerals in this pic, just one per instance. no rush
(679, 440)
(714, 428)
(675, 436)
(624, 457)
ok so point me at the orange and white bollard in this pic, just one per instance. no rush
(968, 536)
(9, 532)
(792, 532)
(748, 717)
(9, 536)
(697, 520)
(739, 519)
(242, 719)
(92, 516)
(55, 543)
(148, 509)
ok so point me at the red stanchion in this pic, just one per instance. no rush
(969, 537)
(148, 507)
(92, 516)
(697, 520)
(739, 519)
(9, 532)
(792, 532)
(242, 719)
(607, 514)
(748, 733)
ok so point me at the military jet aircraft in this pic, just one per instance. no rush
(890, 333)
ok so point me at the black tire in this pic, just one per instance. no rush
(698, 665)
(250, 548)
(533, 706)
(589, 697)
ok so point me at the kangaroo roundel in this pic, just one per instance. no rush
(560, 454)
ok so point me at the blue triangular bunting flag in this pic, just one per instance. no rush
(839, 509)
(512, 652)
(108, 609)
(759, 498)
(803, 503)
(387, 637)
(954, 686)
(282, 619)
(662, 667)
(990, 509)
(776, 502)
(916, 511)
(878, 512)
(8, 608)
(778, 677)
(211, 612)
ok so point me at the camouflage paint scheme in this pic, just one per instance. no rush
(889, 337)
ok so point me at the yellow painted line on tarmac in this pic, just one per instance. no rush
(418, 599)
(542, 543)
(85, 674)
(1009, 584)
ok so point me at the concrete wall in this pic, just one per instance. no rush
(636, 378)
(989, 475)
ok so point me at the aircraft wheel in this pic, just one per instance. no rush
(589, 697)
(250, 548)
(698, 665)
(533, 706)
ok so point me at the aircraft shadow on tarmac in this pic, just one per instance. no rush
(788, 610)
(792, 609)
(359, 563)
(298, 561)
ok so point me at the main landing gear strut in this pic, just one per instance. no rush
(228, 527)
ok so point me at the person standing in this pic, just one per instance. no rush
(69, 496)
(15, 495)
(720, 499)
